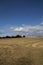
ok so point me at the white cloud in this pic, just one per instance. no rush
(11, 27)
(28, 30)
(1, 31)
(41, 23)
(18, 29)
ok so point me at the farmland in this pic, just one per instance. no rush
(21, 51)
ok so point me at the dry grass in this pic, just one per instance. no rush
(21, 51)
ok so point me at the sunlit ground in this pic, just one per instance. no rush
(21, 51)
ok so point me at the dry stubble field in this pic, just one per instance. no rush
(21, 51)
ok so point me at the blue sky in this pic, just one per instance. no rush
(15, 13)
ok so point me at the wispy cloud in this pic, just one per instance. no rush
(41, 23)
(28, 30)
(1, 32)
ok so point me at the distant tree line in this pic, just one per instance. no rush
(17, 36)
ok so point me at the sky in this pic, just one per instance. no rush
(24, 17)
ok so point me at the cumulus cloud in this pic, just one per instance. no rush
(28, 30)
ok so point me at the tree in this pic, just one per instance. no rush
(18, 36)
(23, 36)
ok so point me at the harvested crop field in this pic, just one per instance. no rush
(21, 51)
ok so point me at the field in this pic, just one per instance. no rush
(21, 51)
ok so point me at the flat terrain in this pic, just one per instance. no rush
(21, 51)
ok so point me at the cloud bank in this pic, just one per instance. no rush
(31, 31)
(27, 30)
